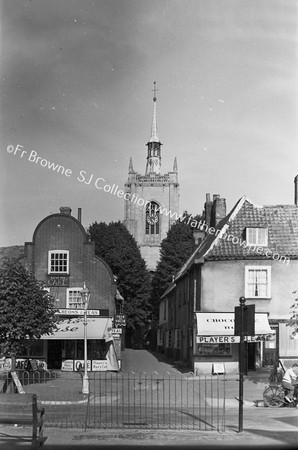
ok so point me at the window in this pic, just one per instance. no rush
(74, 298)
(169, 339)
(214, 350)
(257, 236)
(177, 338)
(258, 281)
(152, 218)
(58, 261)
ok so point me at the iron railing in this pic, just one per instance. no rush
(129, 400)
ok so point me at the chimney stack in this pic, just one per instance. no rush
(218, 210)
(208, 208)
(296, 190)
(80, 215)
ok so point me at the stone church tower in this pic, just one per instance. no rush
(151, 200)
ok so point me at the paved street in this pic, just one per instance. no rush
(262, 426)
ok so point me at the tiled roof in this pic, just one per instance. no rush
(13, 253)
(282, 224)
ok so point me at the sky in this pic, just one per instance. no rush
(76, 91)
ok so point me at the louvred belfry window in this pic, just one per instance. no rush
(152, 218)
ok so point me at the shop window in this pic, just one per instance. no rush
(58, 262)
(74, 299)
(258, 282)
(214, 349)
(69, 349)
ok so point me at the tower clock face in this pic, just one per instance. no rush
(152, 219)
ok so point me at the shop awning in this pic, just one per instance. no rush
(218, 327)
(73, 328)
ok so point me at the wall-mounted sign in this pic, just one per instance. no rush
(77, 312)
(120, 320)
(230, 339)
(54, 280)
(116, 331)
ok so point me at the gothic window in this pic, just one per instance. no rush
(152, 218)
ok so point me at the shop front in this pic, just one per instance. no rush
(216, 347)
(64, 348)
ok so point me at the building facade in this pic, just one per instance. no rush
(62, 256)
(151, 200)
(251, 253)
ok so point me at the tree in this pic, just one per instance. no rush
(293, 321)
(118, 248)
(26, 309)
(175, 249)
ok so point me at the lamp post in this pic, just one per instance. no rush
(85, 294)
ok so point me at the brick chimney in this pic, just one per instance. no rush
(218, 211)
(296, 190)
(208, 209)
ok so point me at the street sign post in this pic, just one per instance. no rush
(244, 326)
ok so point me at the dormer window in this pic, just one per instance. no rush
(257, 236)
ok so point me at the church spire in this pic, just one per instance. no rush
(154, 144)
(130, 167)
(153, 136)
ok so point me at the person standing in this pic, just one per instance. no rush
(289, 381)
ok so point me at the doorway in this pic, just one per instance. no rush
(54, 354)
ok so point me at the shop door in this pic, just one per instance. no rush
(54, 354)
(251, 355)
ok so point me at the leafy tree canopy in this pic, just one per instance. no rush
(175, 249)
(26, 309)
(293, 321)
(118, 248)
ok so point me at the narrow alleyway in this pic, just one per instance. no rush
(145, 361)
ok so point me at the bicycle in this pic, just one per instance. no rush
(274, 397)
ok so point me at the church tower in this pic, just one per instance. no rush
(151, 200)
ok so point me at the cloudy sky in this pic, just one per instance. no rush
(76, 90)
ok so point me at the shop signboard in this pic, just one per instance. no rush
(57, 280)
(77, 312)
(99, 365)
(67, 365)
(79, 365)
(231, 339)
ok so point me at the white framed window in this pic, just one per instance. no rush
(74, 299)
(58, 262)
(257, 281)
(257, 236)
(177, 339)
